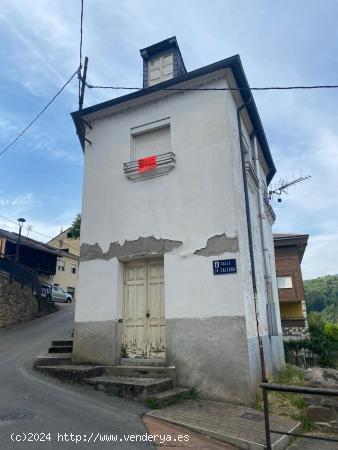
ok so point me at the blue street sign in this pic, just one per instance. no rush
(224, 266)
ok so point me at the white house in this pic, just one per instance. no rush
(176, 240)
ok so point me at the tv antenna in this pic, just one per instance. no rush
(283, 186)
(29, 229)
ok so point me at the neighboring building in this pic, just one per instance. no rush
(289, 251)
(68, 261)
(176, 234)
(33, 254)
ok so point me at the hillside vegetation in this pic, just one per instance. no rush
(321, 296)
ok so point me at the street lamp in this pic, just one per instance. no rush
(21, 221)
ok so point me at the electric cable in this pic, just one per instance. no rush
(267, 88)
(5, 149)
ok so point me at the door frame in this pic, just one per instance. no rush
(146, 323)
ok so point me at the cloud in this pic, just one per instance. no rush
(42, 49)
(320, 257)
(18, 204)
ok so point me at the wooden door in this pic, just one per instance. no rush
(144, 319)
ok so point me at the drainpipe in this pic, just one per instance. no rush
(262, 217)
(248, 222)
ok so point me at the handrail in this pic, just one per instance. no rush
(266, 387)
(299, 389)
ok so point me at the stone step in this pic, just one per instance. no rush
(62, 343)
(153, 362)
(71, 372)
(169, 397)
(135, 388)
(59, 349)
(141, 371)
(54, 359)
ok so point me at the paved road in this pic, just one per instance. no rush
(33, 403)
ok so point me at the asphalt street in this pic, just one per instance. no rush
(37, 411)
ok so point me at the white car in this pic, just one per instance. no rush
(59, 295)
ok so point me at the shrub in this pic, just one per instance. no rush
(323, 342)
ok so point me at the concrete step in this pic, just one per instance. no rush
(61, 349)
(62, 343)
(71, 372)
(141, 371)
(135, 388)
(54, 359)
(169, 397)
(153, 362)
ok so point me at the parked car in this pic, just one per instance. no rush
(59, 295)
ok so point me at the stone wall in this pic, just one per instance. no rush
(17, 304)
(300, 331)
(322, 410)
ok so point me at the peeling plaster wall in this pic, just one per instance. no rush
(129, 249)
(192, 216)
(217, 245)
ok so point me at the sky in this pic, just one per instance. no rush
(280, 43)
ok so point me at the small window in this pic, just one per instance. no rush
(151, 143)
(160, 69)
(284, 282)
(61, 266)
(73, 269)
(69, 235)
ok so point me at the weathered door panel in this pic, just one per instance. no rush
(144, 318)
(156, 321)
(134, 306)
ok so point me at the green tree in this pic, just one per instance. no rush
(321, 295)
(76, 227)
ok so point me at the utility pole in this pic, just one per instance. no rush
(83, 83)
(81, 131)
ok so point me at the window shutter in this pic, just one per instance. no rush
(155, 71)
(160, 69)
(152, 143)
(167, 68)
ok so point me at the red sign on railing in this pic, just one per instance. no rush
(145, 164)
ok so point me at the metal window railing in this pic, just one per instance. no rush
(296, 390)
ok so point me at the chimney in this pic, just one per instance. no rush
(161, 62)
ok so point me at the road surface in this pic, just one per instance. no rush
(37, 411)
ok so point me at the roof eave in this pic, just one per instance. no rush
(234, 63)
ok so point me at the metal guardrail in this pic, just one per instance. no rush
(295, 390)
(23, 275)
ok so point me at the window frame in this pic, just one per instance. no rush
(162, 77)
(284, 277)
(144, 129)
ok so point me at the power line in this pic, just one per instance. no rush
(30, 229)
(37, 116)
(267, 88)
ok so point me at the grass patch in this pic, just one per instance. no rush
(286, 404)
(153, 403)
(193, 394)
(290, 375)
